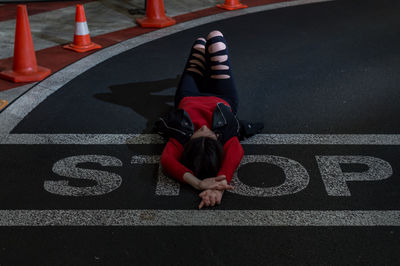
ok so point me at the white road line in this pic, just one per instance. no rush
(266, 139)
(325, 139)
(197, 218)
(10, 117)
(80, 139)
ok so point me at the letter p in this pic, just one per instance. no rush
(335, 179)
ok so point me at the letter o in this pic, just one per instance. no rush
(297, 177)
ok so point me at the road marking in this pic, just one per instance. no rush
(166, 186)
(261, 139)
(197, 218)
(3, 104)
(80, 139)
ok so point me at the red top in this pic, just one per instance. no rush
(200, 110)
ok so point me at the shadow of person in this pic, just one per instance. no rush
(149, 99)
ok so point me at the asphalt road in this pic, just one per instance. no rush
(313, 71)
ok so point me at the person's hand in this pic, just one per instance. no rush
(210, 197)
(218, 183)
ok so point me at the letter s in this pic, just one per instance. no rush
(67, 167)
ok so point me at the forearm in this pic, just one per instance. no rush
(192, 180)
(170, 160)
(233, 155)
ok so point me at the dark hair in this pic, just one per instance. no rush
(203, 155)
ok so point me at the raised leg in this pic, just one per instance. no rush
(193, 75)
(220, 81)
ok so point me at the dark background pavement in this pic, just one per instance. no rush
(327, 68)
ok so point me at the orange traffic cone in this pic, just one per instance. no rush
(82, 42)
(232, 5)
(155, 16)
(25, 68)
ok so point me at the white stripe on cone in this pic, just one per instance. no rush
(81, 28)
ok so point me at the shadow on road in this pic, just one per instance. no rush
(148, 99)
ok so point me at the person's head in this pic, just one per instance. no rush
(203, 153)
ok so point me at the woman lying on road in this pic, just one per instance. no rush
(203, 149)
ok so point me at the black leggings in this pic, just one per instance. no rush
(208, 72)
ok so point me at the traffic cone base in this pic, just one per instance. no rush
(147, 22)
(38, 74)
(232, 7)
(82, 48)
(155, 16)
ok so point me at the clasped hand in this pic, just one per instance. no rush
(218, 183)
(213, 190)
